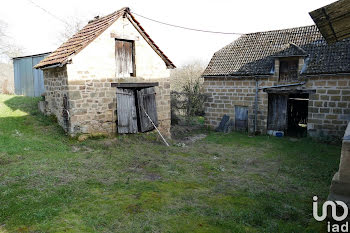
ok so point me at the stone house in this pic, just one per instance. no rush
(104, 79)
(287, 80)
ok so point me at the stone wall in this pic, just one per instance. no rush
(328, 112)
(329, 107)
(56, 87)
(93, 103)
(226, 93)
(163, 106)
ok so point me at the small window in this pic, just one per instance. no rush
(125, 58)
(288, 70)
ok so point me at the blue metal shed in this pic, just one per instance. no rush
(28, 81)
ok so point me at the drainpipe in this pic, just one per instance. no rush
(256, 104)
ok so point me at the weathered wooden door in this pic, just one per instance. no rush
(124, 58)
(126, 111)
(147, 102)
(241, 118)
(277, 112)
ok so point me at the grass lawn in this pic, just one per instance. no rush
(222, 183)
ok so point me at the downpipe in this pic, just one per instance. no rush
(256, 105)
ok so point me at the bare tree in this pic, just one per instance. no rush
(187, 97)
(71, 27)
(189, 73)
(8, 49)
(3, 38)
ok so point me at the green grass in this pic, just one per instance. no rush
(223, 183)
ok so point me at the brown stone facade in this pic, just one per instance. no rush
(226, 93)
(163, 106)
(92, 102)
(93, 106)
(56, 86)
(328, 106)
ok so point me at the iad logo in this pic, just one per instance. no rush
(332, 227)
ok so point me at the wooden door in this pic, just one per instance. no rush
(124, 58)
(147, 102)
(126, 111)
(241, 118)
(277, 112)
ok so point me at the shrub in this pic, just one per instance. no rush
(189, 102)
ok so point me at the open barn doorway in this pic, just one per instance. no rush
(288, 112)
(136, 107)
(297, 115)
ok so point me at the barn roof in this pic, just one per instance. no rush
(254, 54)
(333, 20)
(90, 32)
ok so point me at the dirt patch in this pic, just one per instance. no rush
(134, 208)
(152, 176)
(178, 131)
(5, 159)
(83, 149)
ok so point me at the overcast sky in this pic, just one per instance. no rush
(36, 31)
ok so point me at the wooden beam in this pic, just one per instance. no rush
(289, 91)
(121, 36)
(333, 20)
(134, 85)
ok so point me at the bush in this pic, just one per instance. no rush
(189, 102)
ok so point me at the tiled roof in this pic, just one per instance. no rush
(254, 54)
(91, 31)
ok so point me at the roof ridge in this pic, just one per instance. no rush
(297, 47)
(280, 30)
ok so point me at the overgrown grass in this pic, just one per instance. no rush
(223, 183)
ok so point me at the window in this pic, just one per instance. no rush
(288, 70)
(124, 58)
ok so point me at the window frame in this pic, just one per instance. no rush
(292, 66)
(133, 50)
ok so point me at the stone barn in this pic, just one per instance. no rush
(107, 78)
(287, 80)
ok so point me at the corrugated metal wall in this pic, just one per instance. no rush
(28, 81)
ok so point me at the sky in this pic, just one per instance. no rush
(36, 31)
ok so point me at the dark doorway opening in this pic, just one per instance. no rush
(297, 115)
